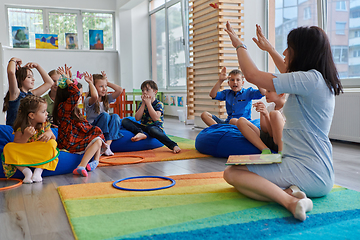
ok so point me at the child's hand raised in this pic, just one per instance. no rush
(68, 71)
(18, 62)
(104, 75)
(31, 65)
(260, 107)
(61, 70)
(29, 132)
(222, 75)
(88, 78)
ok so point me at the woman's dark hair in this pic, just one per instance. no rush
(309, 48)
(61, 96)
(29, 104)
(21, 74)
(104, 99)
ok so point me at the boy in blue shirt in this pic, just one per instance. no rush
(238, 99)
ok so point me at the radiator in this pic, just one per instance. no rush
(346, 122)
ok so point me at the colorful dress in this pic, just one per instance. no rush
(34, 153)
(74, 136)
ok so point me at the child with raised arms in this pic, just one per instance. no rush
(238, 99)
(50, 96)
(76, 134)
(21, 81)
(31, 127)
(151, 114)
(97, 107)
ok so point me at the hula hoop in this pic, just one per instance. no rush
(145, 189)
(122, 156)
(12, 186)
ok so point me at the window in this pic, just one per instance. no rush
(168, 65)
(286, 18)
(177, 70)
(158, 49)
(98, 21)
(343, 30)
(340, 28)
(356, 53)
(340, 54)
(31, 18)
(341, 6)
(63, 22)
(307, 13)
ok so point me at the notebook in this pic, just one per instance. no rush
(253, 159)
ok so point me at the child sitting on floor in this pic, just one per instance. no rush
(50, 96)
(31, 127)
(21, 81)
(272, 121)
(97, 107)
(238, 99)
(76, 135)
(151, 114)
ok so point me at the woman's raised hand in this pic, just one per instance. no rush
(235, 40)
(261, 40)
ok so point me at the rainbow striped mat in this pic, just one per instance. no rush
(201, 206)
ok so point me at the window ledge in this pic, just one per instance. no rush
(350, 83)
(58, 50)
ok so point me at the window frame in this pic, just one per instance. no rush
(166, 6)
(307, 13)
(340, 31)
(46, 24)
(353, 82)
(342, 4)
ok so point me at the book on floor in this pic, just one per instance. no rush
(253, 159)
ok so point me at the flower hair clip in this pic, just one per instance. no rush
(62, 82)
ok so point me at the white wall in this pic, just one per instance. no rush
(134, 44)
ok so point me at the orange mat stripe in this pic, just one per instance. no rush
(160, 154)
(106, 188)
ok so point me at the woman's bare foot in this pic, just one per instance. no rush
(138, 137)
(176, 149)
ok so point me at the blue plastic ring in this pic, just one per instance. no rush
(145, 189)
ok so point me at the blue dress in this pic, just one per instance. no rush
(307, 150)
(12, 111)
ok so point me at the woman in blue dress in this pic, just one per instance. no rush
(309, 76)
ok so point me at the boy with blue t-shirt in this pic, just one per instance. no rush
(238, 99)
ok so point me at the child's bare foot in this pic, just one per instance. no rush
(138, 137)
(176, 149)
